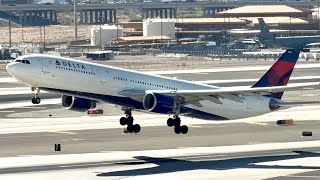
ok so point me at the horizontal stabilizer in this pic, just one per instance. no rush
(297, 103)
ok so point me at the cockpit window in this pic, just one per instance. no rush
(23, 61)
(18, 60)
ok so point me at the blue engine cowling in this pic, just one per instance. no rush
(159, 103)
(77, 104)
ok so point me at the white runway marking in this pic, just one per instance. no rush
(28, 125)
(251, 80)
(186, 167)
(17, 90)
(39, 160)
(28, 103)
(63, 132)
(232, 69)
(8, 80)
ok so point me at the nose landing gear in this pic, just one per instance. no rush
(36, 99)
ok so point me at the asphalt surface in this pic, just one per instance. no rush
(153, 138)
(188, 163)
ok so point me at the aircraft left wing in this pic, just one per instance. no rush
(238, 90)
(312, 44)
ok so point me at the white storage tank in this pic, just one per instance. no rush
(158, 27)
(108, 32)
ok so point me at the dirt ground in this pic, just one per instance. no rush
(54, 34)
(156, 63)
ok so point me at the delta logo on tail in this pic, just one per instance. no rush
(279, 74)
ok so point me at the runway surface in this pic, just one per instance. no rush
(95, 147)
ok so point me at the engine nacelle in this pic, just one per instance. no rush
(77, 104)
(273, 105)
(159, 103)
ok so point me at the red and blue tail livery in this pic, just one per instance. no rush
(279, 74)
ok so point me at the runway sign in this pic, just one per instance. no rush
(57, 147)
(306, 133)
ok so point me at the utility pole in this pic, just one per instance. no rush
(40, 31)
(75, 19)
(318, 14)
(22, 35)
(44, 37)
(161, 27)
(177, 21)
(117, 29)
(100, 35)
(10, 32)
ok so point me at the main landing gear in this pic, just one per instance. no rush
(176, 122)
(128, 120)
(36, 99)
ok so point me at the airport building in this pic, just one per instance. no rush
(241, 22)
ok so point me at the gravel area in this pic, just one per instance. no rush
(150, 62)
(54, 34)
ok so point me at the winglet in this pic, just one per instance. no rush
(280, 72)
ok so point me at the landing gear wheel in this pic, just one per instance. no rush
(177, 129)
(36, 91)
(123, 121)
(129, 120)
(136, 128)
(37, 100)
(130, 129)
(184, 129)
(170, 122)
(177, 121)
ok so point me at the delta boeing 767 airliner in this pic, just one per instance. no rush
(82, 84)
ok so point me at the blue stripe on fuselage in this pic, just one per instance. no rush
(128, 102)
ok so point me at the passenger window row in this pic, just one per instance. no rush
(75, 70)
(144, 83)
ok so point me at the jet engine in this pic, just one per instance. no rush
(160, 103)
(77, 104)
(273, 105)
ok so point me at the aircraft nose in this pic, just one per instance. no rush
(10, 68)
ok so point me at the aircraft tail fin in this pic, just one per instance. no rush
(265, 34)
(280, 72)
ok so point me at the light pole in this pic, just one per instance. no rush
(100, 36)
(318, 14)
(101, 20)
(75, 19)
(117, 29)
(161, 27)
(44, 37)
(40, 32)
(22, 35)
(10, 32)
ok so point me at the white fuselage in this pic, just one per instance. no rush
(105, 82)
